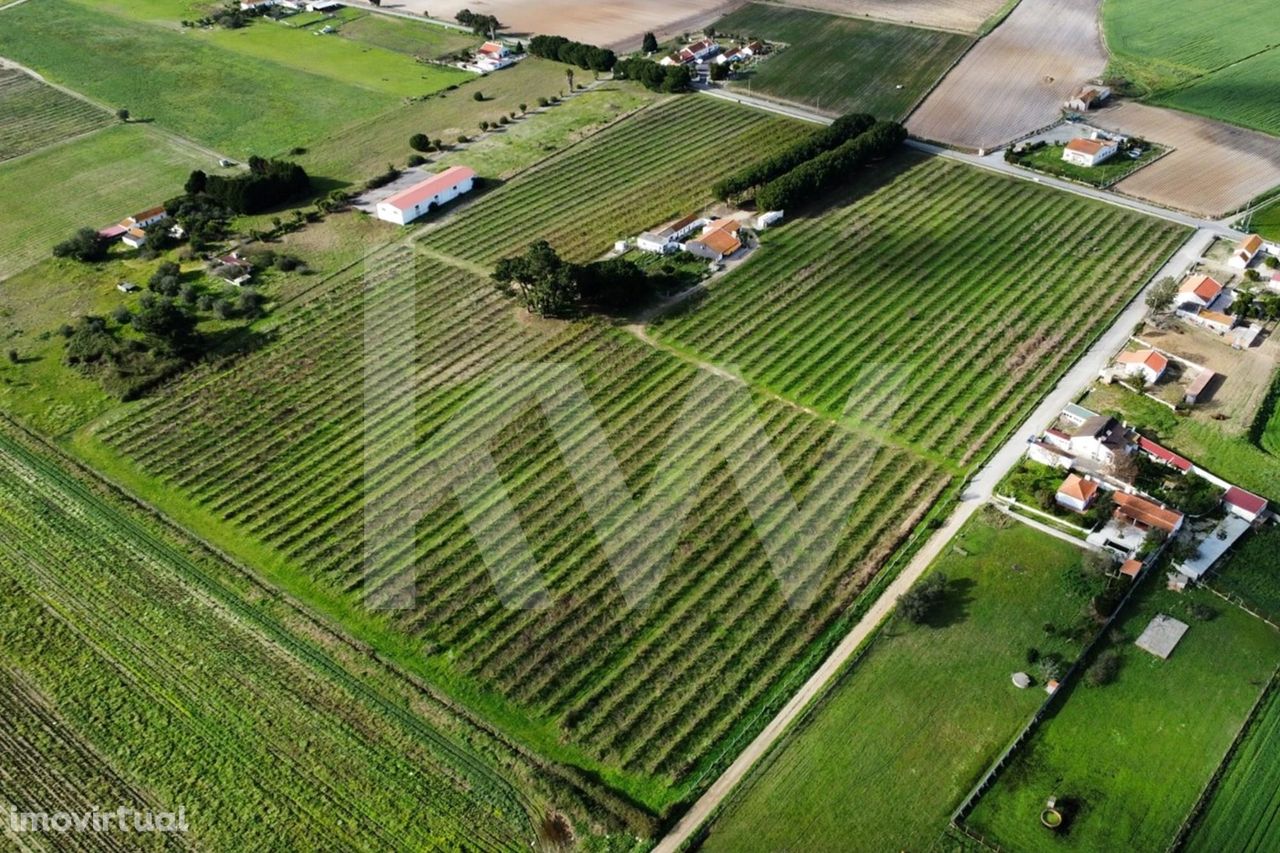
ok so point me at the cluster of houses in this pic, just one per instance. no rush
(1087, 445)
(716, 239)
(708, 50)
(296, 5)
(408, 204)
(132, 229)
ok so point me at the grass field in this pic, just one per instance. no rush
(1231, 457)
(237, 103)
(1253, 574)
(92, 181)
(911, 725)
(945, 299)
(33, 115)
(403, 36)
(1128, 760)
(1243, 810)
(175, 690)
(840, 64)
(657, 165)
(1220, 66)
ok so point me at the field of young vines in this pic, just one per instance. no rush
(32, 115)
(1243, 812)
(937, 302)
(281, 449)
(655, 166)
(166, 681)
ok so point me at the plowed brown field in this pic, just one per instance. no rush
(965, 16)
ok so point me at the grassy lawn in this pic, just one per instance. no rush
(1253, 573)
(1129, 759)
(33, 115)
(1049, 161)
(364, 149)
(94, 181)
(1232, 457)
(404, 36)
(238, 103)
(910, 727)
(840, 64)
(1243, 810)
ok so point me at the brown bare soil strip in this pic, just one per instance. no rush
(965, 16)
(1214, 168)
(1015, 80)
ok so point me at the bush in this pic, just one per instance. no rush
(420, 142)
(918, 602)
(85, 245)
(478, 96)
(1103, 670)
(1033, 655)
(1203, 612)
(415, 160)
(842, 130)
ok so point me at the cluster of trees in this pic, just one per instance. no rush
(268, 183)
(550, 286)
(811, 178)
(655, 77)
(837, 133)
(165, 341)
(84, 245)
(561, 49)
(483, 25)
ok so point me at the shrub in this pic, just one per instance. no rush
(420, 142)
(415, 160)
(85, 245)
(561, 49)
(918, 602)
(1103, 670)
(478, 96)
(1033, 655)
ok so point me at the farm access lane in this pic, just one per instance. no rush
(977, 492)
(995, 162)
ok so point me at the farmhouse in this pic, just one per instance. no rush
(1101, 438)
(1247, 505)
(1075, 414)
(1145, 514)
(1198, 291)
(1245, 251)
(249, 5)
(493, 55)
(1076, 493)
(1089, 152)
(697, 52)
(666, 239)
(1088, 97)
(1147, 363)
(233, 269)
(1214, 321)
(134, 237)
(1039, 450)
(718, 240)
(425, 196)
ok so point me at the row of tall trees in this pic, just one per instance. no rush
(561, 49)
(655, 77)
(837, 133)
(812, 178)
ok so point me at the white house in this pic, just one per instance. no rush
(1214, 321)
(1102, 439)
(247, 5)
(493, 55)
(1147, 363)
(1198, 291)
(1245, 251)
(1076, 493)
(134, 237)
(666, 239)
(1089, 152)
(425, 196)
(1088, 97)
(1247, 505)
(718, 240)
(1045, 453)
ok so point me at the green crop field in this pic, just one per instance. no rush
(1252, 573)
(913, 723)
(840, 64)
(1244, 808)
(93, 181)
(1127, 761)
(404, 36)
(939, 300)
(655, 166)
(33, 115)
(1266, 221)
(236, 102)
(1224, 66)
(164, 677)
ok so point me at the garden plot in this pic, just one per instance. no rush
(1015, 80)
(1213, 169)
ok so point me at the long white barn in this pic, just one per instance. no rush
(421, 198)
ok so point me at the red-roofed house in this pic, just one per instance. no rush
(493, 55)
(1089, 152)
(1146, 514)
(1131, 568)
(1245, 252)
(1076, 493)
(718, 240)
(1147, 363)
(1198, 291)
(1244, 504)
(1163, 454)
(425, 196)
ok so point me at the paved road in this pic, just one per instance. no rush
(976, 492)
(995, 162)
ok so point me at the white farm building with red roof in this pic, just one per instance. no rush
(424, 197)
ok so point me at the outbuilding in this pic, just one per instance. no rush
(425, 196)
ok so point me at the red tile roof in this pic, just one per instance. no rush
(1163, 454)
(1147, 357)
(1203, 286)
(434, 185)
(1250, 245)
(1079, 488)
(1247, 501)
(1130, 568)
(1086, 146)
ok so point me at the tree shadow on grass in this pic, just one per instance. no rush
(954, 606)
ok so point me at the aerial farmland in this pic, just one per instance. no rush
(840, 425)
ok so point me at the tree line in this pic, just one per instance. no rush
(267, 184)
(837, 133)
(654, 77)
(808, 180)
(481, 25)
(585, 56)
